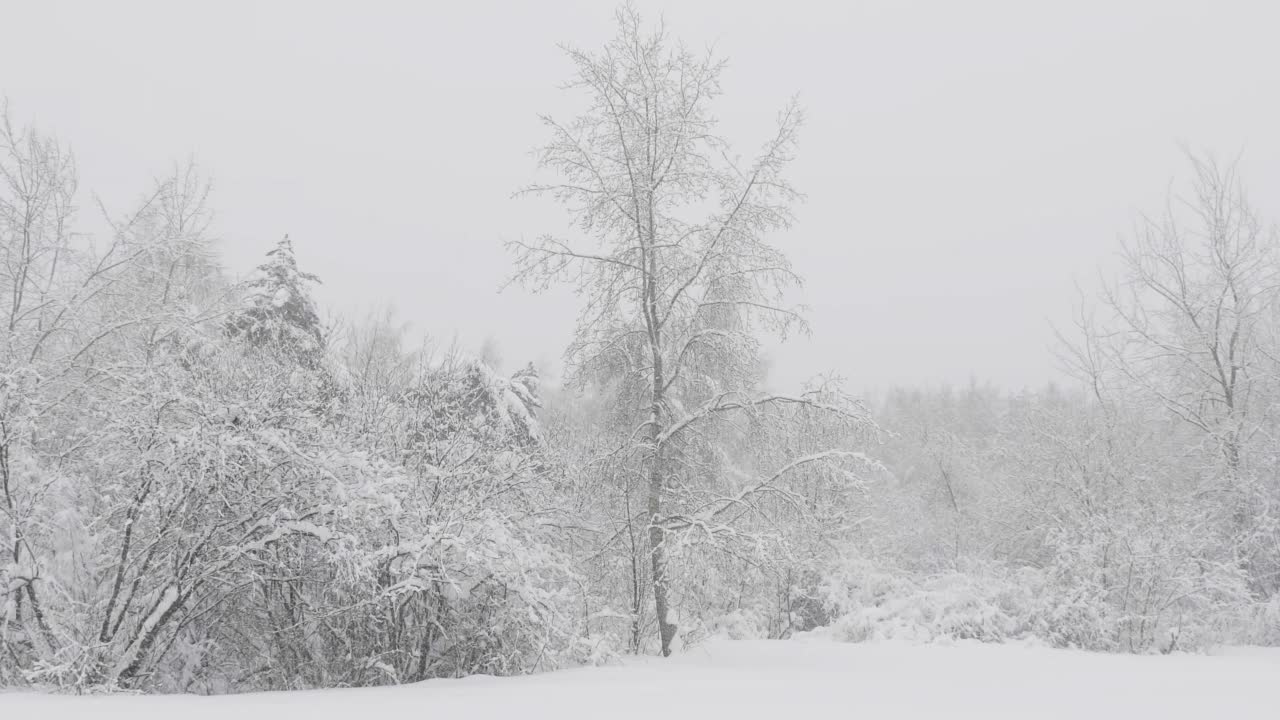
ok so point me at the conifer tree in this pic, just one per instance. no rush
(279, 311)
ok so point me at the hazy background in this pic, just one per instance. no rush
(965, 163)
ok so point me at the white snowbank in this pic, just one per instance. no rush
(772, 681)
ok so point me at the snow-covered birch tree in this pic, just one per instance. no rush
(677, 271)
(1188, 330)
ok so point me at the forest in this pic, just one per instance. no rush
(205, 487)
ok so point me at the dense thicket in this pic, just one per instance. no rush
(204, 489)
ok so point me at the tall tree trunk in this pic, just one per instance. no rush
(637, 585)
(657, 534)
(658, 555)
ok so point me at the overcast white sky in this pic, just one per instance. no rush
(964, 163)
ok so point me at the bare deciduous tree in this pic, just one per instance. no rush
(1189, 330)
(680, 273)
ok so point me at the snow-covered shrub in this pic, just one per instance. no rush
(992, 603)
(261, 513)
(869, 604)
(1260, 624)
(741, 624)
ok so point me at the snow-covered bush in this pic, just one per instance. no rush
(200, 494)
(993, 603)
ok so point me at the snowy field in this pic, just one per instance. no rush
(773, 680)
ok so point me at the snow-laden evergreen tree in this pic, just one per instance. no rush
(509, 403)
(278, 309)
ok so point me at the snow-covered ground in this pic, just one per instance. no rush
(783, 680)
